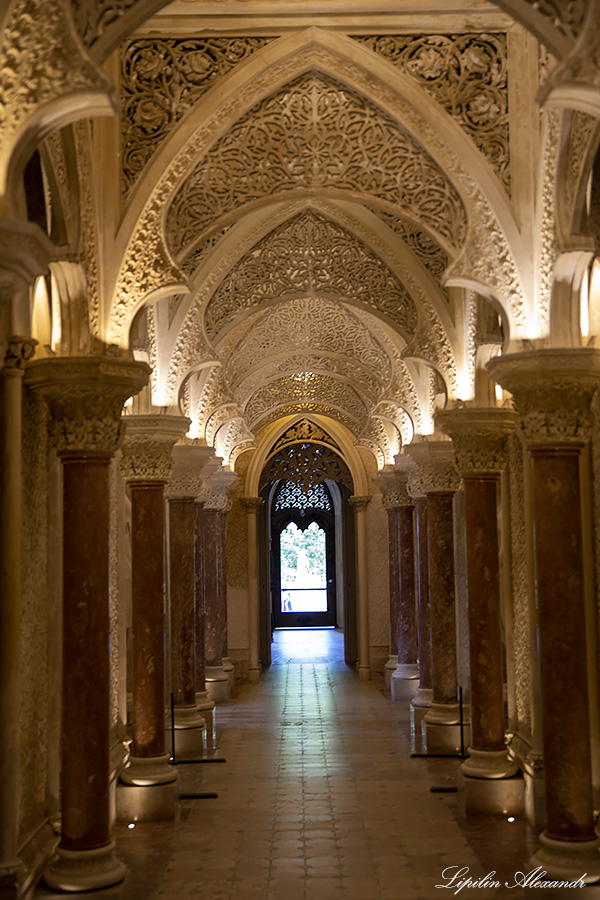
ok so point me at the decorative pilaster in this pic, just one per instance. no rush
(18, 351)
(553, 392)
(359, 505)
(437, 481)
(146, 464)
(479, 438)
(252, 505)
(85, 396)
(403, 623)
(184, 486)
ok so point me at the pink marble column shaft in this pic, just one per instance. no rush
(440, 541)
(394, 567)
(182, 514)
(200, 600)
(423, 600)
(215, 613)
(407, 621)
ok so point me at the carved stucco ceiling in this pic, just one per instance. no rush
(313, 256)
(315, 133)
(307, 390)
(300, 326)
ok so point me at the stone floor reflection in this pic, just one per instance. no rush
(319, 800)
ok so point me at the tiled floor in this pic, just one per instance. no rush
(319, 800)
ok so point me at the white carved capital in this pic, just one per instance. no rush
(359, 504)
(479, 437)
(436, 470)
(16, 351)
(394, 488)
(148, 446)
(189, 459)
(552, 390)
(86, 396)
(219, 484)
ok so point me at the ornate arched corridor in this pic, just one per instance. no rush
(340, 252)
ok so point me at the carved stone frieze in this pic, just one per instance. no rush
(553, 392)
(478, 436)
(147, 451)
(86, 396)
(436, 469)
(547, 238)
(161, 80)
(294, 129)
(467, 75)
(41, 59)
(313, 256)
(394, 487)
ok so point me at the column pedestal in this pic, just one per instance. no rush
(389, 669)
(405, 681)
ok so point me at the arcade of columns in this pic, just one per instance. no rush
(194, 283)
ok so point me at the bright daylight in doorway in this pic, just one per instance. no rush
(303, 569)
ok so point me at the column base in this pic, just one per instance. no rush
(217, 684)
(206, 708)
(229, 669)
(85, 870)
(389, 669)
(364, 673)
(405, 681)
(567, 860)
(254, 674)
(492, 796)
(423, 698)
(148, 771)
(418, 742)
(444, 738)
(189, 742)
(146, 803)
(443, 714)
(489, 764)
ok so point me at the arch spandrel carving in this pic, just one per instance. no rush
(293, 131)
(311, 255)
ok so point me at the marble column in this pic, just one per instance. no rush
(359, 505)
(479, 437)
(148, 790)
(424, 694)
(203, 702)
(228, 666)
(184, 487)
(553, 392)
(85, 396)
(216, 679)
(403, 623)
(438, 481)
(252, 505)
(18, 351)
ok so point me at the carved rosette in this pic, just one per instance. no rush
(394, 487)
(553, 392)
(436, 469)
(479, 437)
(85, 395)
(148, 446)
(18, 350)
(186, 477)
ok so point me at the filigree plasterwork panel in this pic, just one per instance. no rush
(322, 364)
(40, 60)
(398, 416)
(311, 255)
(191, 262)
(292, 409)
(285, 142)
(304, 430)
(428, 252)
(306, 388)
(232, 436)
(160, 81)
(308, 324)
(376, 436)
(306, 464)
(467, 75)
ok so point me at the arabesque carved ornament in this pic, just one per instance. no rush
(86, 396)
(304, 430)
(314, 256)
(285, 142)
(467, 75)
(394, 487)
(479, 437)
(435, 468)
(160, 81)
(306, 388)
(428, 252)
(147, 451)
